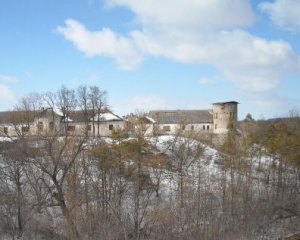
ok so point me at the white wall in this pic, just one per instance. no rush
(104, 128)
(79, 128)
(175, 128)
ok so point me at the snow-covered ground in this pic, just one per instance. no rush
(203, 169)
(5, 139)
(205, 164)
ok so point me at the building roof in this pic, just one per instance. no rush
(222, 103)
(182, 116)
(16, 116)
(106, 117)
(144, 119)
(3, 117)
(73, 116)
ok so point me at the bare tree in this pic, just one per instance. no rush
(98, 104)
(13, 178)
(66, 100)
(84, 105)
(56, 158)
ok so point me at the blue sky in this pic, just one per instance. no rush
(152, 54)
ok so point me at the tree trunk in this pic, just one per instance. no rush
(73, 232)
(19, 196)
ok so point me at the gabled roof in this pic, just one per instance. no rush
(73, 116)
(140, 119)
(45, 113)
(182, 116)
(81, 116)
(49, 113)
(106, 117)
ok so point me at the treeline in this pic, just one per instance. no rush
(66, 99)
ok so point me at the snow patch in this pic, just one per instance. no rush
(58, 112)
(5, 139)
(150, 119)
(106, 117)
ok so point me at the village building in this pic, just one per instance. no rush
(211, 121)
(140, 125)
(48, 121)
(208, 122)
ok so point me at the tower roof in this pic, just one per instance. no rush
(222, 103)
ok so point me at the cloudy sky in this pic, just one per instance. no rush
(155, 54)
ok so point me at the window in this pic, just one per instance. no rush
(216, 115)
(231, 115)
(71, 128)
(192, 127)
(207, 127)
(51, 126)
(89, 127)
(216, 126)
(166, 128)
(25, 129)
(5, 130)
(203, 127)
(40, 126)
(110, 127)
(183, 127)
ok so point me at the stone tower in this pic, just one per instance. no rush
(223, 114)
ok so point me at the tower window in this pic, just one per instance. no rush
(207, 127)
(231, 115)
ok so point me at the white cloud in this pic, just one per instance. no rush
(101, 43)
(189, 14)
(8, 79)
(201, 32)
(284, 13)
(251, 62)
(7, 97)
